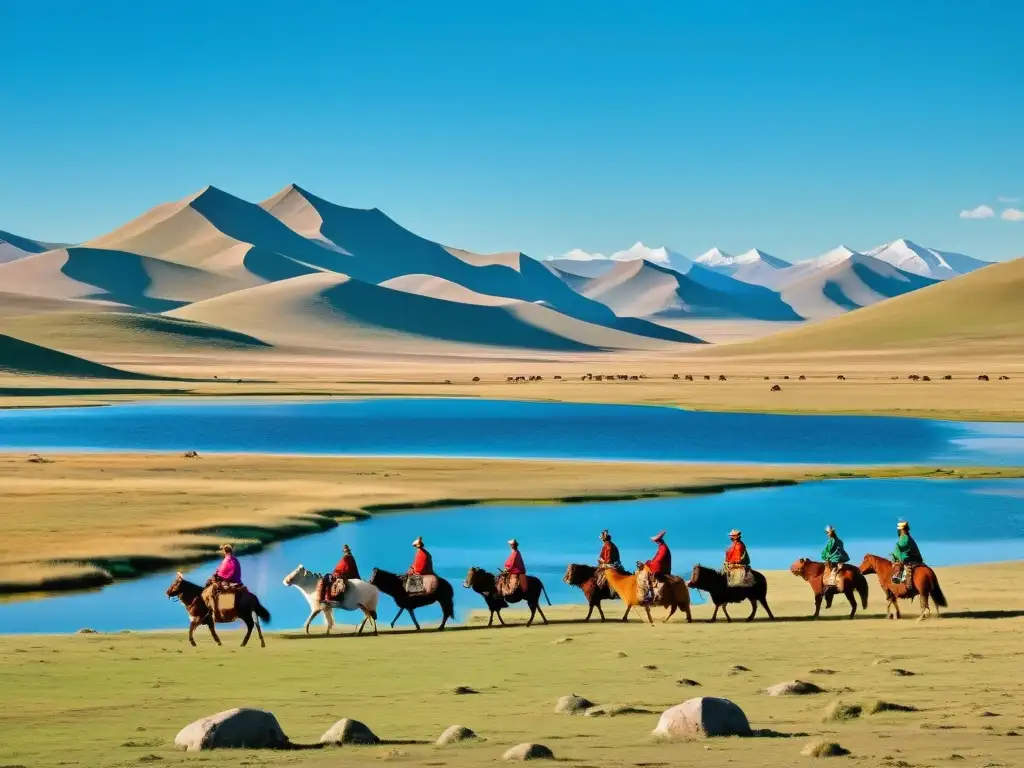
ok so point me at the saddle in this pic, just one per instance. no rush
(906, 575)
(508, 584)
(221, 598)
(417, 585)
(331, 589)
(650, 587)
(739, 576)
(830, 579)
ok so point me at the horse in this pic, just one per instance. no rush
(675, 596)
(850, 582)
(358, 596)
(485, 584)
(925, 583)
(391, 585)
(585, 577)
(246, 605)
(717, 586)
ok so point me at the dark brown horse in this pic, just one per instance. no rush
(849, 582)
(923, 582)
(585, 577)
(247, 608)
(485, 584)
(391, 584)
(717, 586)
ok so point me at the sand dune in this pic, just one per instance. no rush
(643, 289)
(23, 357)
(19, 304)
(13, 247)
(978, 312)
(334, 311)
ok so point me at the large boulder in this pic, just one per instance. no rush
(703, 716)
(347, 731)
(528, 752)
(572, 705)
(454, 734)
(233, 728)
(793, 688)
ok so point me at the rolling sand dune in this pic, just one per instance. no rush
(643, 289)
(334, 311)
(23, 357)
(18, 304)
(117, 332)
(972, 314)
(13, 247)
(439, 288)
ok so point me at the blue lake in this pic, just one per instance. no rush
(493, 429)
(954, 522)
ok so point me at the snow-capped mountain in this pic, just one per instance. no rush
(927, 262)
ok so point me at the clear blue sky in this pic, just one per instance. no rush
(535, 125)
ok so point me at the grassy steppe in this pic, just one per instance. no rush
(81, 520)
(118, 700)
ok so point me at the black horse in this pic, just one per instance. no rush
(715, 584)
(485, 584)
(391, 584)
(585, 577)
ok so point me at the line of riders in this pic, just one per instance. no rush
(421, 580)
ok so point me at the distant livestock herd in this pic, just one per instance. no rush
(689, 377)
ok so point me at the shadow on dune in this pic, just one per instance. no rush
(127, 278)
(23, 357)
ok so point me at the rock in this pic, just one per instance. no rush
(563, 640)
(824, 749)
(822, 671)
(347, 731)
(528, 752)
(688, 682)
(902, 672)
(650, 666)
(454, 734)
(703, 716)
(888, 706)
(233, 728)
(838, 712)
(737, 669)
(86, 631)
(463, 690)
(615, 711)
(572, 705)
(620, 654)
(793, 688)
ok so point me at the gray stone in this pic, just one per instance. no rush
(824, 749)
(528, 752)
(572, 705)
(703, 716)
(233, 728)
(793, 688)
(454, 734)
(347, 731)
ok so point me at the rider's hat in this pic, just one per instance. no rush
(513, 543)
(346, 548)
(418, 542)
(226, 548)
(605, 534)
(659, 536)
(829, 529)
(735, 534)
(902, 525)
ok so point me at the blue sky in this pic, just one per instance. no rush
(536, 125)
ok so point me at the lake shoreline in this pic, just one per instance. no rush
(62, 574)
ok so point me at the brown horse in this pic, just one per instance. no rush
(717, 586)
(485, 584)
(850, 582)
(585, 577)
(924, 582)
(247, 608)
(674, 596)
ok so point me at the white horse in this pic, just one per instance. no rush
(359, 595)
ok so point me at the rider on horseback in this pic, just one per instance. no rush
(834, 555)
(736, 556)
(660, 566)
(514, 570)
(227, 577)
(334, 583)
(609, 552)
(906, 552)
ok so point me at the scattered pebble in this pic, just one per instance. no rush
(888, 706)
(463, 690)
(902, 672)
(688, 682)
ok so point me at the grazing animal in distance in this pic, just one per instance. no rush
(776, 388)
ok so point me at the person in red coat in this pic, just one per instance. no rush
(514, 564)
(422, 563)
(609, 552)
(660, 566)
(344, 570)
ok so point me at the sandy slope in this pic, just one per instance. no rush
(978, 313)
(22, 357)
(333, 311)
(19, 304)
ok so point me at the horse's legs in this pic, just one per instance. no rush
(259, 631)
(714, 615)
(598, 606)
(329, 615)
(647, 608)
(312, 616)
(625, 616)
(589, 613)
(853, 602)
(725, 610)
(817, 605)
(671, 610)
(417, 624)
(689, 616)
(400, 611)
(926, 610)
(213, 629)
(541, 612)
(191, 631)
(500, 620)
(753, 609)
(763, 599)
(248, 628)
(533, 612)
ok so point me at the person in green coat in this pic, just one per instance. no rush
(906, 552)
(834, 554)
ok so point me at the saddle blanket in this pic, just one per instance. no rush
(739, 577)
(831, 578)
(906, 577)
(650, 588)
(222, 598)
(509, 584)
(420, 586)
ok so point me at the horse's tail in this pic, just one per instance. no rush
(262, 612)
(861, 585)
(936, 592)
(542, 589)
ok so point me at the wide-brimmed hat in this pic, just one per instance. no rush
(605, 534)
(829, 529)
(513, 543)
(734, 534)
(658, 536)
(346, 548)
(902, 524)
(418, 542)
